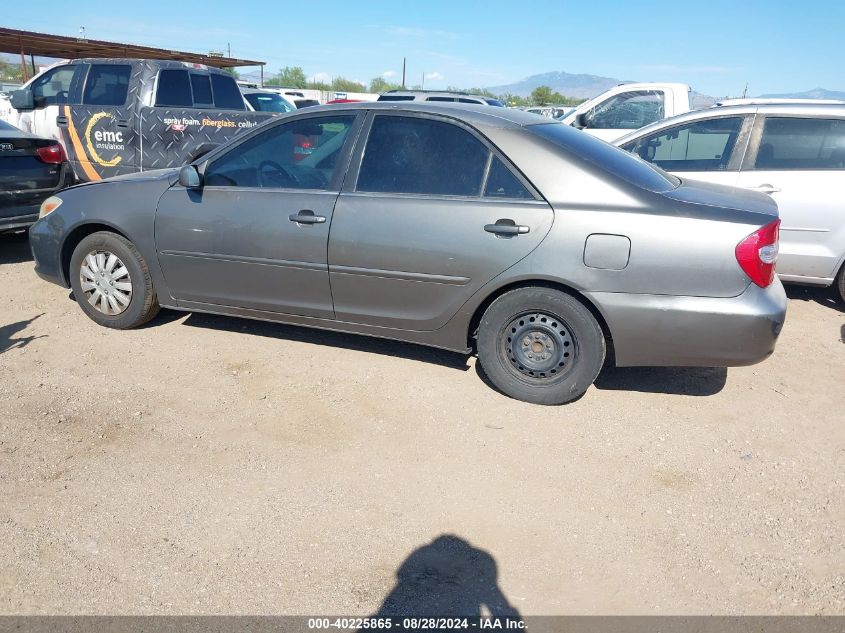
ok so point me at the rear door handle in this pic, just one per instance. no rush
(765, 188)
(61, 120)
(306, 216)
(506, 227)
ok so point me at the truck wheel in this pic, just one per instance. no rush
(111, 281)
(540, 345)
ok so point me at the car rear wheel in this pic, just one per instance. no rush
(111, 281)
(540, 345)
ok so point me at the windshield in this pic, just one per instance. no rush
(268, 102)
(607, 157)
(495, 102)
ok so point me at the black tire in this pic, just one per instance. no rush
(143, 303)
(840, 282)
(540, 345)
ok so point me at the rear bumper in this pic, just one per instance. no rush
(19, 221)
(19, 209)
(662, 330)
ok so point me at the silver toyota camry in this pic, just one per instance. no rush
(469, 228)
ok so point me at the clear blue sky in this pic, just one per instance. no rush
(715, 46)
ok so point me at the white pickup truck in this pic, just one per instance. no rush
(628, 107)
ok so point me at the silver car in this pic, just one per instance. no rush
(791, 150)
(468, 228)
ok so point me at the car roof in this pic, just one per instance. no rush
(755, 107)
(249, 91)
(469, 112)
(435, 93)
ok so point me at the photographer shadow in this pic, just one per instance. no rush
(447, 578)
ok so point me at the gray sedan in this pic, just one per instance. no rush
(470, 229)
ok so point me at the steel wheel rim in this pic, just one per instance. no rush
(539, 347)
(105, 282)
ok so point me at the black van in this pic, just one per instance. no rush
(117, 116)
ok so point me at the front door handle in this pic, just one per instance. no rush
(306, 216)
(123, 123)
(765, 188)
(506, 226)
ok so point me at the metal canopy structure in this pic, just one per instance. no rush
(59, 46)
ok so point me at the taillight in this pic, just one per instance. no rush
(758, 253)
(51, 154)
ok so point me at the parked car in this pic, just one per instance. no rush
(460, 227)
(795, 152)
(301, 97)
(628, 107)
(266, 101)
(31, 170)
(439, 96)
(120, 116)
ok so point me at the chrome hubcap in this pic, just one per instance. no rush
(105, 282)
(539, 346)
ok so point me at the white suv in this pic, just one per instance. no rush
(794, 152)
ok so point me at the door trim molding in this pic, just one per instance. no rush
(282, 263)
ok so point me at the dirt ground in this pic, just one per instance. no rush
(215, 465)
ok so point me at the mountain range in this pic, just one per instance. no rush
(584, 86)
(816, 93)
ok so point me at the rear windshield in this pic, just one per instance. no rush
(178, 88)
(607, 157)
(6, 126)
(268, 102)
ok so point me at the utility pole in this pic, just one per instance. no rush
(403, 73)
(228, 50)
(423, 80)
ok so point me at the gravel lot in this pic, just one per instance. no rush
(214, 465)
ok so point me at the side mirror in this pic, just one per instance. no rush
(189, 177)
(580, 121)
(22, 100)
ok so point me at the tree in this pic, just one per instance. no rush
(380, 84)
(10, 72)
(542, 95)
(289, 77)
(341, 84)
(232, 72)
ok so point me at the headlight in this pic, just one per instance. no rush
(49, 205)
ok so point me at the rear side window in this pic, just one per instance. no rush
(396, 98)
(706, 145)
(424, 156)
(107, 85)
(174, 89)
(502, 183)
(201, 87)
(794, 143)
(227, 96)
(449, 99)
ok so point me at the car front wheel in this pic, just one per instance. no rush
(540, 345)
(111, 281)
